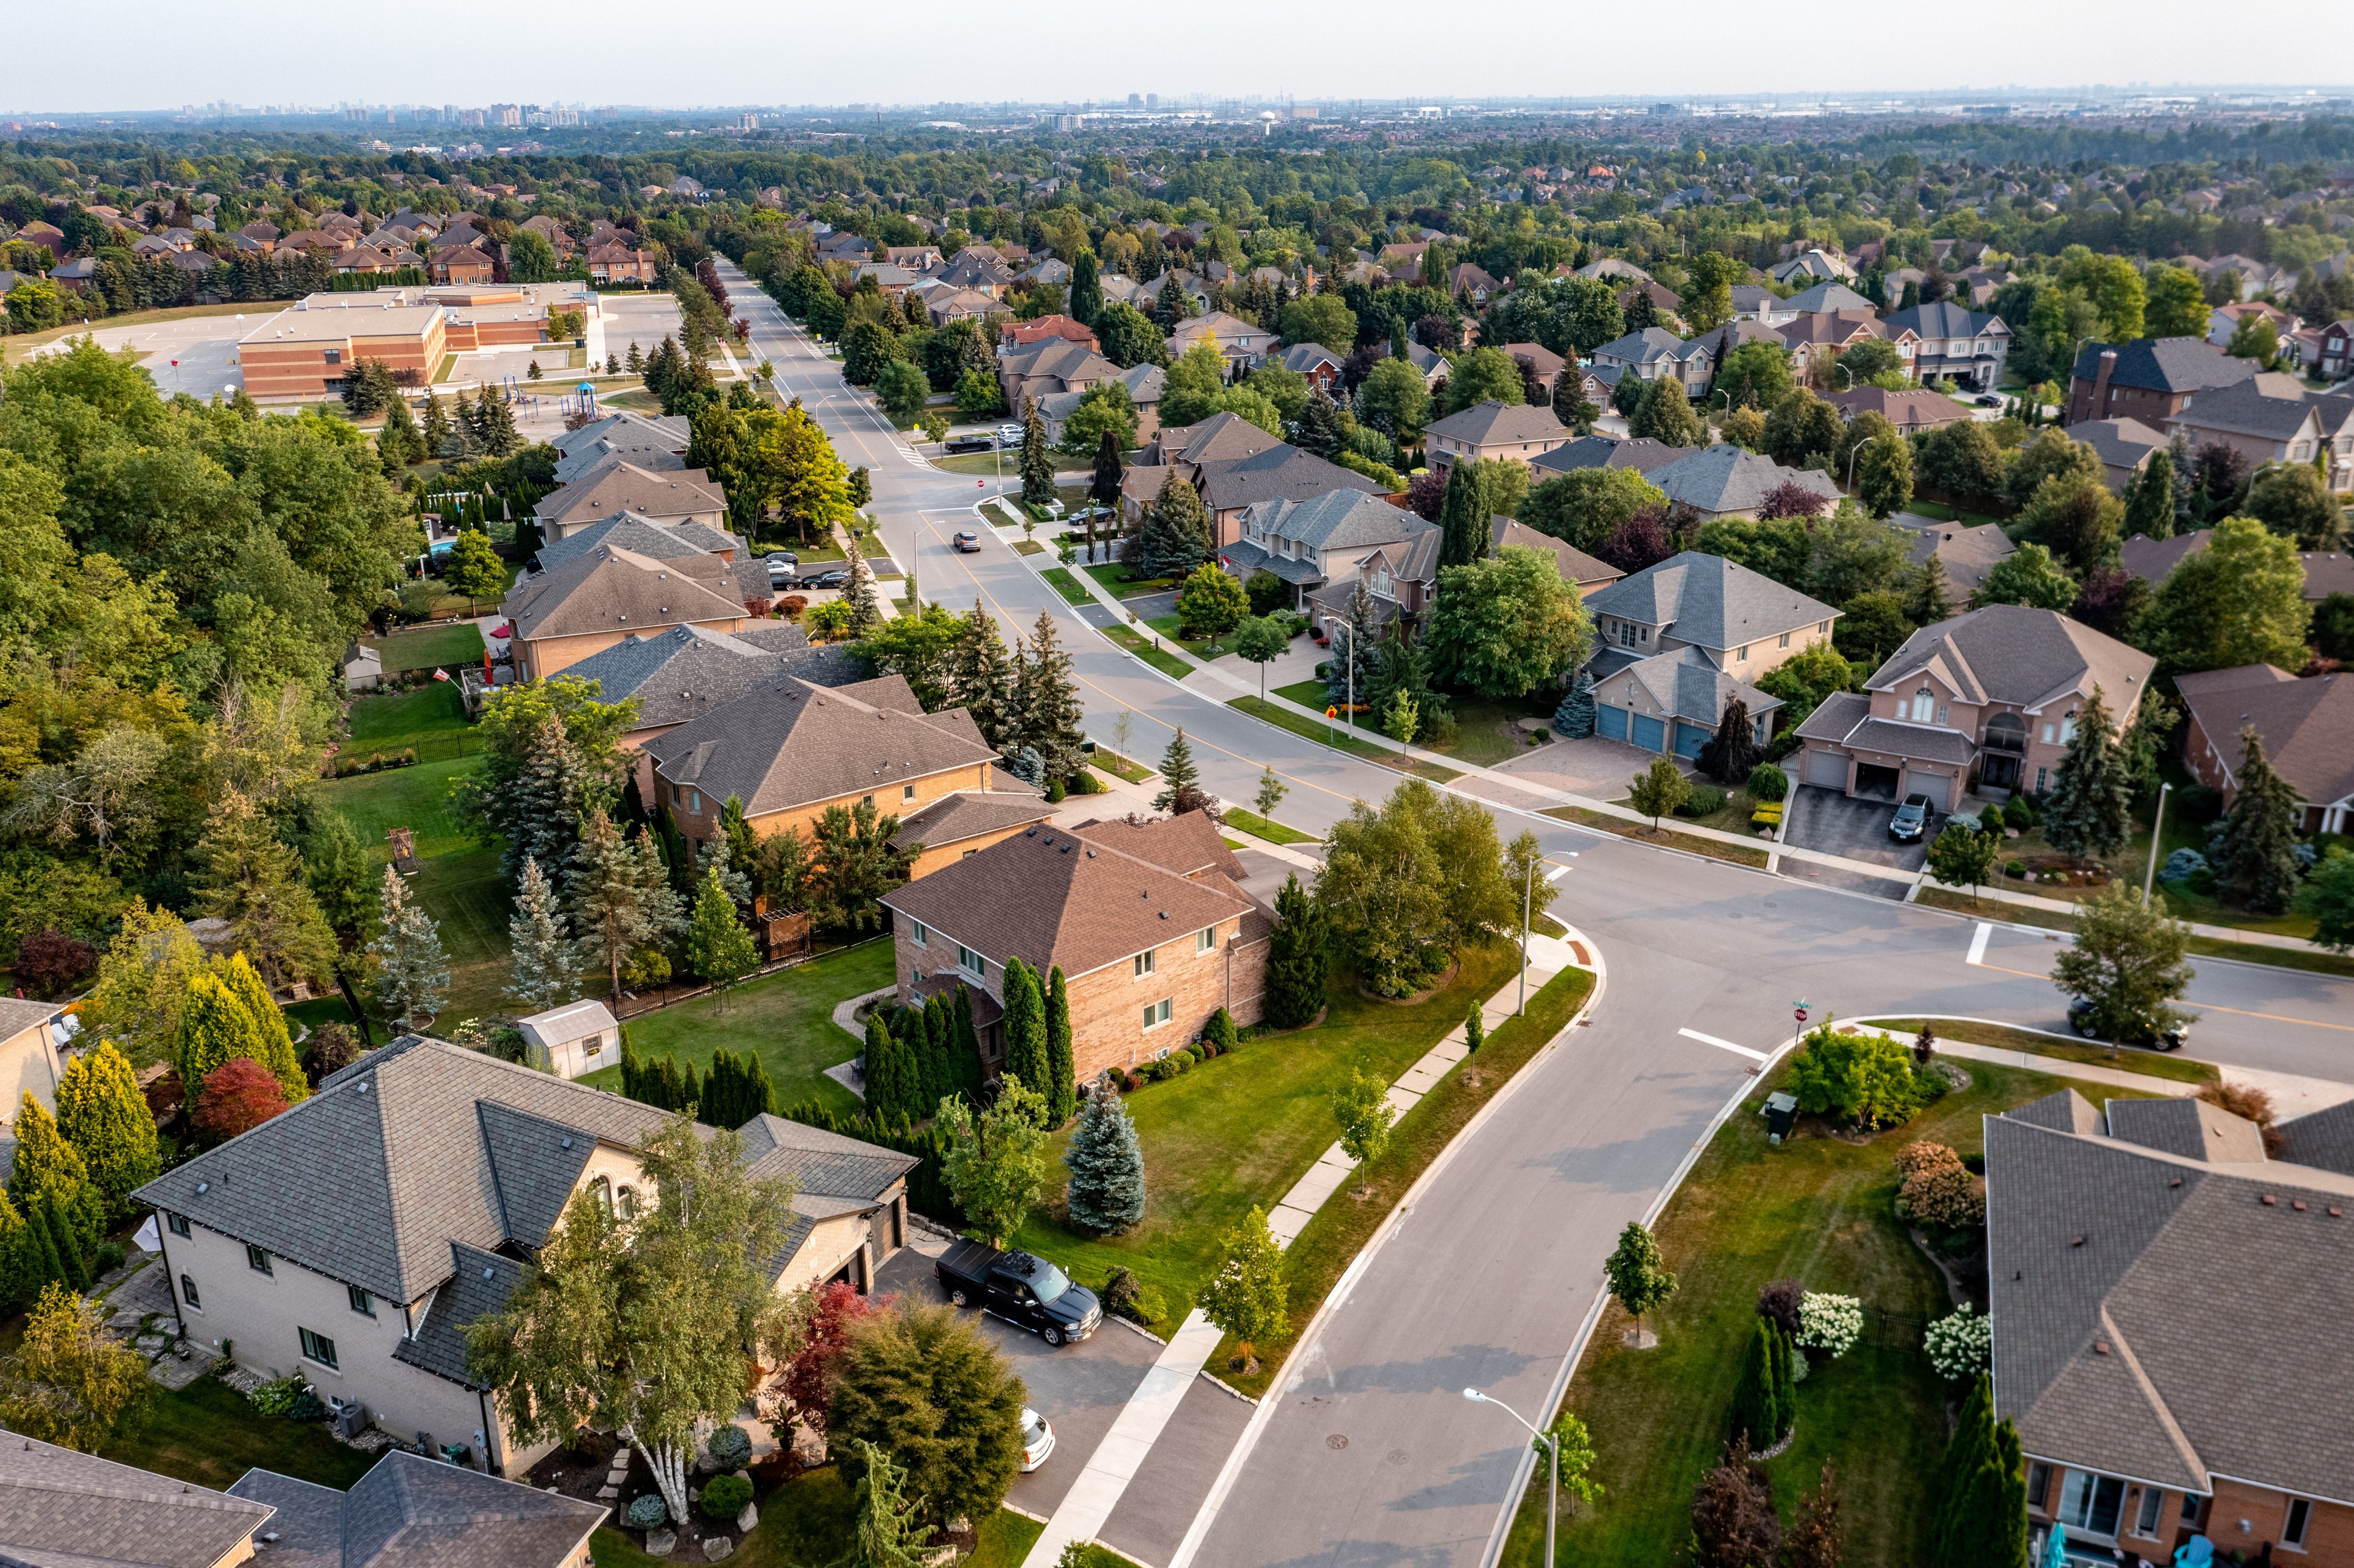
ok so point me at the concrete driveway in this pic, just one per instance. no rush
(1843, 825)
(1080, 1388)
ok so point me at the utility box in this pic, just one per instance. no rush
(1780, 1111)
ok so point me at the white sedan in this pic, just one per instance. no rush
(1037, 1439)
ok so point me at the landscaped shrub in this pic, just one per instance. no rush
(648, 1512)
(276, 1398)
(2199, 802)
(1947, 1196)
(1829, 1323)
(2182, 864)
(306, 1407)
(1220, 1029)
(2014, 868)
(723, 1497)
(1961, 1346)
(730, 1448)
(1767, 782)
(1703, 800)
(1125, 1295)
(1868, 1081)
(2020, 812)
(1923, 1155)
(1777, 1303)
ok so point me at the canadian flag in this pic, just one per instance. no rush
(441, 675)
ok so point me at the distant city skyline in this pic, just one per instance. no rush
(735, 53)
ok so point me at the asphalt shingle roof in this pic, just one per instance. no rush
(1944, 319)
(820, 1163)
(60, 1509)
(968, 813)
(2248, 407)
(2164, 364)
(610, 589)
(683, 674)
(1825, 299)
(1644, 455)
(617, 484)
(1709, 600)
(1726, 478)
(639, 535)
(1493, 423)
(1281, 473)
(2308, 726)
(413, 1512)
(1685, 684)
(2016, 654)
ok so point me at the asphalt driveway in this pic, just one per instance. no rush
(1080, 1388)
(1843, 825)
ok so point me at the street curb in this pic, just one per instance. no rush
(1206, 1515)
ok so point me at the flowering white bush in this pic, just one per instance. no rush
(1829, 1323)
(1961, 1346)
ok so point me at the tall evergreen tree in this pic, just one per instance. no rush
(1463, 516)
(1062, 1085)
(2149, 499)
(2089, 811)
(1320, 428)
(21, 1277)
(971, 1074)
(2255, 845)
(887, 1529)
(865, 609)
(412, 968)
(1981, 1518)
(253, 879)
(886, 1092)
(1756, 1397)
(434, 432)
(66, 1244)
(1107, 1166)
(278, 1052)
(215, 1026)
(1086, 289)
(1178, 773)
(1170, 305)
(1297, 957)
(546, 967)
(980, 677)
(1048, 700)
(102, 1113)
(49, 1170)
(1037, 458)
(1174, 536)
(721, 951)
(1025, 1028)
(621, 897)
(1355, 669)
(940, 1046)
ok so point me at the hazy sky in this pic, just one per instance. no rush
(150, 54)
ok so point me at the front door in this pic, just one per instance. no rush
(1997, 771)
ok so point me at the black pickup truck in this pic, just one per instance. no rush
(1021, 1290)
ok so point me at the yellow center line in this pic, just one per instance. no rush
(2204, 1006)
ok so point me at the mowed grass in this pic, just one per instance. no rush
(2125, 1058)
(208, 1435)
(1321, 732)
(808, 1522)
(1242, 1128)
(785, 1018)
(1485, 731)
(429, 647)
(433, 718)
(1818, 1209)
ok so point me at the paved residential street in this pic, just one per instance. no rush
(1490, 1274)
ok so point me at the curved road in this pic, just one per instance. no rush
(1529, 1203)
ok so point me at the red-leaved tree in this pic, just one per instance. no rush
(1790, 499)
(808, 1377)
(240, 1094)
(48, 962)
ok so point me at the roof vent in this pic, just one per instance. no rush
(2336, 1213)
(2075, 1241)
(2298, 1204)
(1091, 854)
(2174, 1181)
(203, 1188)
(568, 1143)
(1164, 914)
(489, 1273)
(2270, 1202)
(2100, 1347)
(363, 1086)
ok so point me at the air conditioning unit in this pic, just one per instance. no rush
(348, 1417)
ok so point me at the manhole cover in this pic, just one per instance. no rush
(1397, 1456)
(1338, 1440)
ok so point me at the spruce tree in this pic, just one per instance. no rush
(1298, 959)
(1574, 720)
(546, 969)
(1048, 699)
(1357, 649)
(1025, 1028)
(1463, 516)
(412, 974)
(980, 677)
(1086, 289)
(865, 609)
(1062, 1084)
(2089, 811)
(1170, 305)
(971, 1072)
(102, 1113)
(1174, 536)
(621, 897)
(1107, 1166)
(270, 1023)
(1178, 774)
(1320, 428)
(1037, 458)
(434, 431)
(2255, 845)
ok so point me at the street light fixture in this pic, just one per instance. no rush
(1553, 1447)
(1528, 899)
(1858, 448)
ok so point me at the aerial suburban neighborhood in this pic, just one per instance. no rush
(1399, 820)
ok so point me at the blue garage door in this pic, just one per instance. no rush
(1689, 738)
(1610, 724)
(1650, 734)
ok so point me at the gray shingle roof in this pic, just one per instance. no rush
(1491, 423)
(1245, 559)
(968, 813)
(60, 1509)
(1945, 319)
(656, 443)
(1280, 473)
(1641, 454)
(2192, 1129)
(616, 484)
(641, 536)
(2165, 364)
(1686, 685)
(1304, 358)
(2323, 1140)
(786, 742)
(2154, 1317)
(1336, 520)
(1968, 553)
(683, 674)
(479, 1285)
(2249, 409)
(1642, 347)
(820, 1163)
(611, 589)
(2119, 444)
(402, 1130)
(1825, 298)
(414, 1512)
(1726, 478)
(1709, 600)
(2017, 655)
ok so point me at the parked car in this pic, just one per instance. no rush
(963, 444)
(1988, 400)
(1009, 435)
(967, 542)
(2080, 1018)
(787, 556)
(833, 580)
(1912, 818)
(1037, 1439)
(1019, 1288)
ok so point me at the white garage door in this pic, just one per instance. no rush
(1827, 770)
(1936, 786)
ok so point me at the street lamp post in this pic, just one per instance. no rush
(1553, 1447)
(1528, 901)
(2157, 828)
(1858, 448)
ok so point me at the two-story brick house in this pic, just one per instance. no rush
(1493, 430)
(352, 1238)
(1682, 639)
(2158, 1288)
(601, 598)
(2149, 379)
(1310, 544)
(1242, 345)
(1970, 346)
(1984, 703)
(1149, 923)
(1653, 351)
(2306, 728)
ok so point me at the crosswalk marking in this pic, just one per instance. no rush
(1723, 1044)
(1978, 942)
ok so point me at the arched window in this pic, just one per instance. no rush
(603, 1189)
(628, 1200)
(1924, 703)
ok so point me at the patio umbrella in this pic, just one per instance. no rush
(2055, 1547)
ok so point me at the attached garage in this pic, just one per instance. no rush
(1938, 786)
(1610, 724)
(1689, 738)
(1827, 770)
(1650, 734)
(1876, 781)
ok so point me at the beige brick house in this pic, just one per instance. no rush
(352, 1238)
(1147, 921)
(608, 594)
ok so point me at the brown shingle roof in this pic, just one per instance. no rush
(968, 814)
(2308, 726)
(622, 486)
(1486, 424)
(611, 589)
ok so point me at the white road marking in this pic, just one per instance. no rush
(1978, 942)
(1724, 1044)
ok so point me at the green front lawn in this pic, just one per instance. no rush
(1318, 730)
(1203, 648)
(1119, 767)
(1064, 583)
(1115, 576)
(429, 647)
(208, 1435)
(786, 1019)
(808, 1522)
(1260, 827)
(1144, 648)
(1485, 731)
(1818, 1209)
(1242, 1128)
(2150, 1063)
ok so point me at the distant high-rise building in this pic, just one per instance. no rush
(506, 114)
(1135, 100)
(1152, 103)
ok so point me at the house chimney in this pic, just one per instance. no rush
(2101, 384)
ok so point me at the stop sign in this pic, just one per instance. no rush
(1801, 1013)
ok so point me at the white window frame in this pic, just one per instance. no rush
(2295, 1530)
(971, 963)
(2146, 1515)
(1206, 940)
(920, 933)
(1785, 640)
(695, 802)
(1156, 1013)
(907, 791)
(1140, 967)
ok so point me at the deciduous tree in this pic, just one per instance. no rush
(1244, 1296)
(2127, 963)
(1505, 626)
(996, 1161)
(921, 1384)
